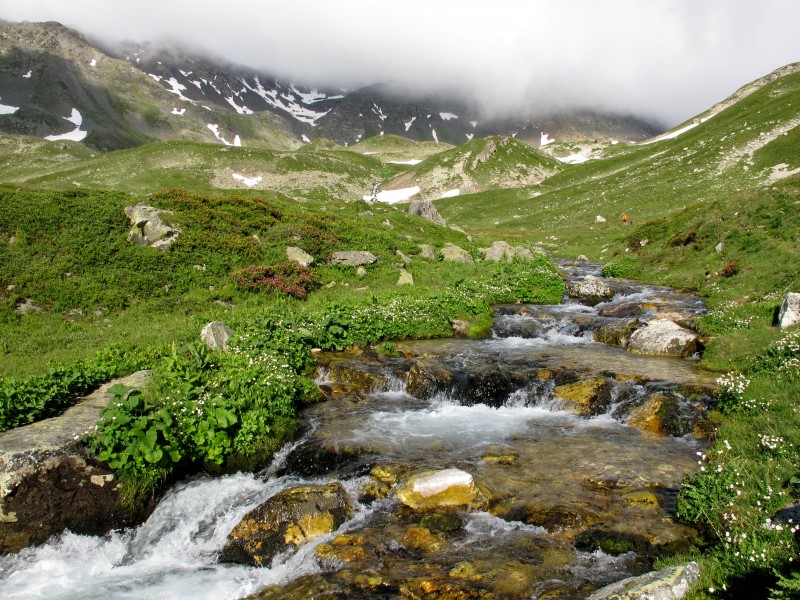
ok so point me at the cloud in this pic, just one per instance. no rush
(668, 60)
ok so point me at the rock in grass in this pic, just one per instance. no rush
(453, 253)
(426, 210)
(427, 252)
(148, 229)
(298, 255)
(288, 519)
(790, 310)
(405, 278)
(354, 258)
(436, 489)
(216, 335)
(664, 338)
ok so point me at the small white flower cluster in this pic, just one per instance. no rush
(734, 384)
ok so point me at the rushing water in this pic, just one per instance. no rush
(548, 474)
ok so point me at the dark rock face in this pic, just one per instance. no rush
(290, 518)
(65, 492)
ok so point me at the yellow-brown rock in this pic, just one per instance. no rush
(434, 489)
(586, 397)
(290, 518)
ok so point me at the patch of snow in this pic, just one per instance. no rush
(93, 63)
(428, 117)
(301, 113)
(446, 116)
(197, 83)
(474, 124)
(304, 137)
(242, 110)
(358, 138)
(6, 109)
(309, 97)
(394, 196)
(156, 77)
(545, 139)
(28, 75)
(575, 159)
(435, 137)
(77, 134)
(414, 161)
(450, 194)
(377, 110)
(177, 88)
(409, 123)
(215, 129)
(185, 73)
(470, 136)
(178, 111)
(614, 142)
(248, 181)
(137, 60)
(337, 97)
(672, 135)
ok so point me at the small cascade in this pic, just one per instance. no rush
(572, 443)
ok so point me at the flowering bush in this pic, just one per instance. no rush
(287, 278)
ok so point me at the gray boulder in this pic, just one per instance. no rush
(354, 258)
(298, 255)
(664, 338)
(216, 335)
(147, 227)
(405, 278)
(790, 310)
(427, 252)
(426, 210)
(591, 288)
(499, 251)
(453, 253)
(403, 257)
(670, 583)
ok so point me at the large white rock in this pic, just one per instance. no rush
(216, 335)
(663, 338)
(591, 288)
(790, 310)
(298, 255)
(353, 258)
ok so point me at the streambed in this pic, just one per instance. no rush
(569, 500)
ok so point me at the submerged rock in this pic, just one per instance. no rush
(670, 583)
(288, 519)
(664, 338)
(436, 489)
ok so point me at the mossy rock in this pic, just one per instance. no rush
(586, 397)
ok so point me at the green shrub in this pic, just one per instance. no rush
(626, 267)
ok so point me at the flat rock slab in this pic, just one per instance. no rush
(671, 583)
(57, 435)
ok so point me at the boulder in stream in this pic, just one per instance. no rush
(617, 333)
(438, 489)
(587, 397)
(664, 338)
(289, 518)
(670, 583)
(592, 289)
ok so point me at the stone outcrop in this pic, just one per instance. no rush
(216, 335)
(148, 228)
(427, 252)
(288, 519)
(790, 310)
(47, 484)
(437, 489)
(664, 338)
(298, 255)
(453, 253)
(505, 251)
(406, 259)
(591, 289)
(405, 278)
(354, 258)
(670, 583)
(426, 210)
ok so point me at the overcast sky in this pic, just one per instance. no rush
(666, 59)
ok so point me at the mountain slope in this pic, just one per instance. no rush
(54, 83)
(753, 140)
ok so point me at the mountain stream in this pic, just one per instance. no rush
(570, 499)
